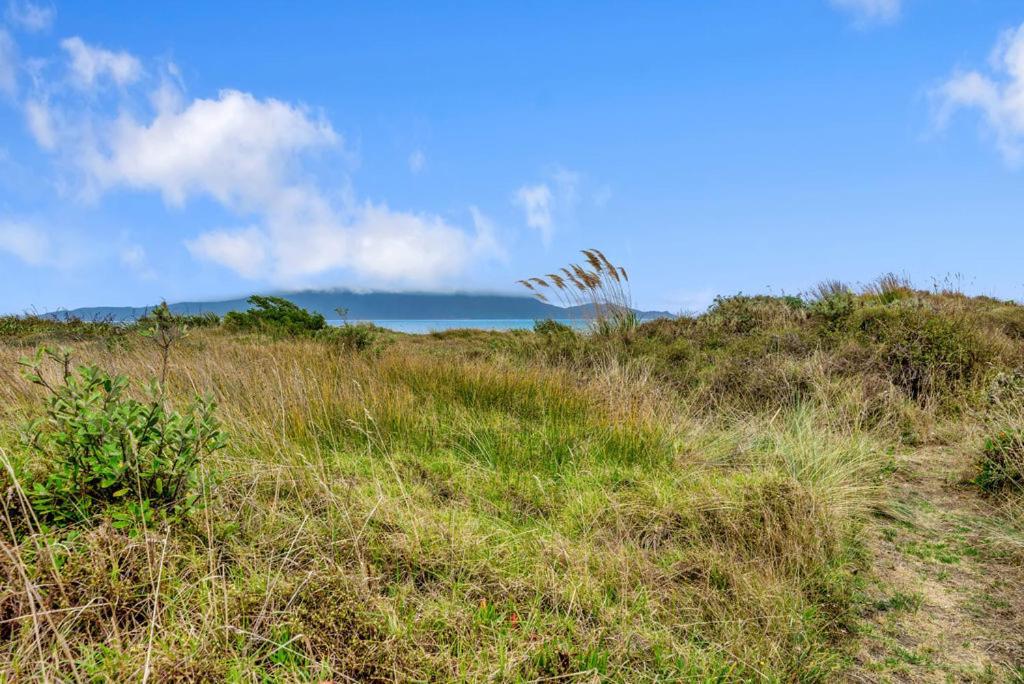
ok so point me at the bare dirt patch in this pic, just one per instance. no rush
(947, 601)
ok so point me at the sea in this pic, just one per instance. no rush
(423, 327)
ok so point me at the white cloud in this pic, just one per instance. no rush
(551, 202)
(252, 156)
(867, 12)
(8, 64)
(999, 97)
(25, 241)
(390, 245)
(486, 242)
(40, 123)
(235, 148)
(135, 258)
(38, 246)
(417, 161)
(536, 201)
(242, 251)
(247, 154)
(90, 64)
(372, 240)
(30, 16)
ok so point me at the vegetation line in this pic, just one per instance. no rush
(693, 499)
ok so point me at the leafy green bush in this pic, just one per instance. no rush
(833, 308)
(275, 315)
(352, 336)
(549, 326)
(558, 342)
(742, 314)
(1001, 465)
(108, 452)
(162, 315)
(925, 352)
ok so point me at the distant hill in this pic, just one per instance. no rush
(372, 305)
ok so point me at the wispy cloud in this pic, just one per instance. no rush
(997, 96)
(542, 203)
(25, 241)
(536, 202)
(135, 258)
(30, 16)
(869, 12)
(243, 250)
(40, 123)
(91, 64)
(8, 65)
(417, 161)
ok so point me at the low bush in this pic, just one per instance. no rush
(552, 327)
(741, 314)
(275, 316)
(162, 315)
(925, 352)
(1001, 465)
(110, 453)
(352, 336)
(832, 310)
(889, 288)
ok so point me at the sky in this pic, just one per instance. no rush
(197, 150)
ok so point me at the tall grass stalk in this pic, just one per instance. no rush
(599, 289)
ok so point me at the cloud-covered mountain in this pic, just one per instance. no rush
(373, 306)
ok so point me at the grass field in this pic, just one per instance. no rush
(781, 489)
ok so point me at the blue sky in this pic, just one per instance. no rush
(199, 150)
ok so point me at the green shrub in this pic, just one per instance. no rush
(557, 342)
(1001, 465)
(742, 314)
(1008, 318)
(276, 316)
(107, 452)
(549, 326)
(754, 376)
(925, 352)
(352, 336)
(162, 315)
(889, 288)
(832, 309)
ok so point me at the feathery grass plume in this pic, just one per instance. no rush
(889, 287)
(829, 288)
(600, 293)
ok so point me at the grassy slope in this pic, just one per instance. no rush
(694, 501)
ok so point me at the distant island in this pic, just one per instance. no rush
(379, 306)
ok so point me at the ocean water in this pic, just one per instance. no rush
(422, 327)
